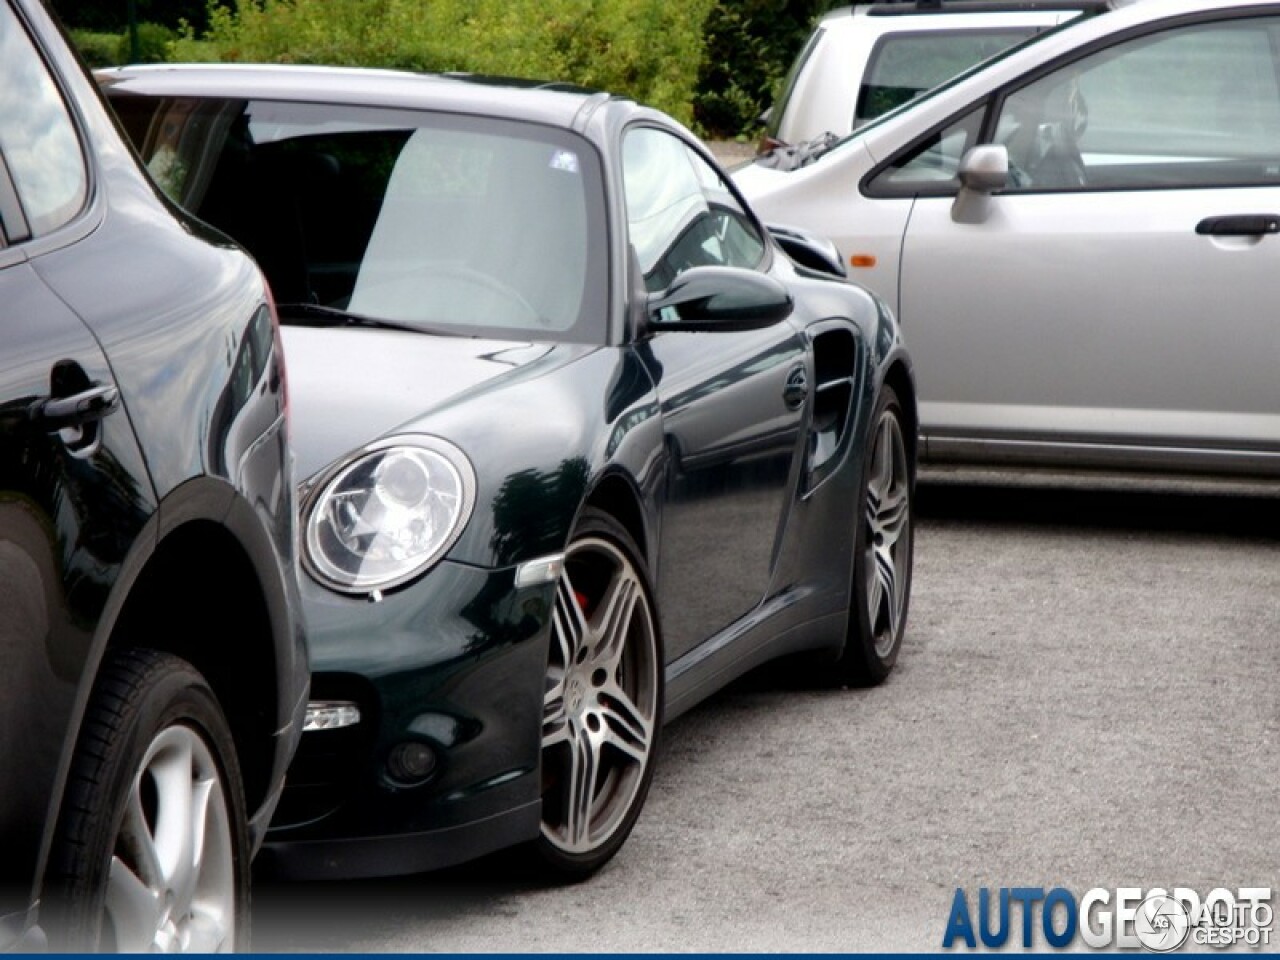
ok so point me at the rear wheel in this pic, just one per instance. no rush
(151, 852)
(881, 585)
(603, 705)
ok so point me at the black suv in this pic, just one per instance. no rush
(152, 674)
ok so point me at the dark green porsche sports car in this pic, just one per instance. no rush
(578, 441)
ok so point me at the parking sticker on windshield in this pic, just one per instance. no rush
(565, 160)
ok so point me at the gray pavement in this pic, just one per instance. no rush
(1086, 698)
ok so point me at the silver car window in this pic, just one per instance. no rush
(1189, 107)
(932, 162)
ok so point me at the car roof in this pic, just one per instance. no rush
(892, 10)
(540, 102)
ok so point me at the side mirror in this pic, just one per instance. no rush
(809, 250)
(983, 170)
(708, 299)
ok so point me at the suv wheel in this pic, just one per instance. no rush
(151, 851)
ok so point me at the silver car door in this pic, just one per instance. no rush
(1117, 299)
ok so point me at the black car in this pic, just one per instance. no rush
(154, 675)
(579, 443)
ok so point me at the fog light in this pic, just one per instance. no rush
(411, 763)
(330, 715)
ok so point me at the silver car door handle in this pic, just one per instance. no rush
(1239, 225)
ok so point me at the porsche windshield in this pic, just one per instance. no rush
(466, 225)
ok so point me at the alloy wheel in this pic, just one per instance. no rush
(888, 534)
(171, 885)
(602, 699)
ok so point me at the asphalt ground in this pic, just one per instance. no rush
(1086, 697)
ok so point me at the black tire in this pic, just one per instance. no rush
(603, 706)
(881, 589)
(121, 878)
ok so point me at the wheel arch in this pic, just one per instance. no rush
(187, 549)
(200, 598)
(617, 496)
(898, 376)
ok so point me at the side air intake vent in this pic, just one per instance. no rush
(835, 361)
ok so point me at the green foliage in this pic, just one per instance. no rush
(110, 49)
(749, 48)
(645, 49)
(97, 49)
(154, 41)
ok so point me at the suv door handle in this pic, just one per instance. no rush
(56, 413)
(1240, 225)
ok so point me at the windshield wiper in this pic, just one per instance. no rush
(799, 155)
(318, 315)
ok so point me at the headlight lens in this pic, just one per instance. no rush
(388, 514)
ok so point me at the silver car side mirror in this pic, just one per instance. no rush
(983, 170)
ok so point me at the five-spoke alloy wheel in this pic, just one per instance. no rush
(151, 853)
(603, 705)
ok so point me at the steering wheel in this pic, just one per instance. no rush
(416, 283)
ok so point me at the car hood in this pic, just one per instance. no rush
(350, 386)
(773, 192)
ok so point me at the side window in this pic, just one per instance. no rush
(680, 212)
(933, 162)
(1197, 106)
(37, 136)
(904, 65)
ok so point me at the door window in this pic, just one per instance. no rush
(931, 163)
(1197, 106)
(37, 137)
(680, 212)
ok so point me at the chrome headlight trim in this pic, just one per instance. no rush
(386, 513)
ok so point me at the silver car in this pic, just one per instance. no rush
(1078, 240)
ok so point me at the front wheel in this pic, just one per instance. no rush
(881, 585)
(602, 710)
(151, 852)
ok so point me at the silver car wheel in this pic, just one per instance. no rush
(151, 850)
(888, 534)
(171, 885)
(602, 699)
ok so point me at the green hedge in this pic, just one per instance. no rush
(646, 49)
(109, 49)
(750, 45)
(98, 49)
(717, 63)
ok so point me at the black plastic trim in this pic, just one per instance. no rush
(385, 856)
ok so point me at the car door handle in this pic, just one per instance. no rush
(796, 391)
(56, 413)
(1240, 225)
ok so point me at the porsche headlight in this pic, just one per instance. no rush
(386, 515)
